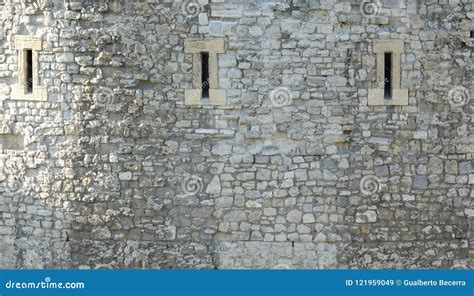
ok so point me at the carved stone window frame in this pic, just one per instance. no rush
(399, 96)
(214, 47)
(19, 91)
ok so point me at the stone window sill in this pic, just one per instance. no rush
(377, 97)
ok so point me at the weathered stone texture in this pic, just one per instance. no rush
(295, 170)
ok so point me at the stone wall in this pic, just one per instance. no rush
(294, 170)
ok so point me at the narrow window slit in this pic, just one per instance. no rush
(29, 70)
(205, 74)
(388, 76)
(472, 34)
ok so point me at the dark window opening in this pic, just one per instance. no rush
(205, 74)
(29, 70)
(388, 76)
(472, 34)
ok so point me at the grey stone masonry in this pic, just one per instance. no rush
(236, 134)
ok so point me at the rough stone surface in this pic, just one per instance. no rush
(116, 171)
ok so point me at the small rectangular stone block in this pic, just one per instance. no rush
(28, 42)
(12, 141)
(395, 46)
(194, 97)
(399, 98)
(215, 45)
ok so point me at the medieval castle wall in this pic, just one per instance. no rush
(114, 154)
